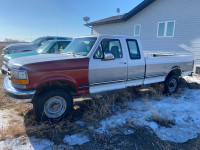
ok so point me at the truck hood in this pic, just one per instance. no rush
(16, 55)
(19, 46)
(41, 58)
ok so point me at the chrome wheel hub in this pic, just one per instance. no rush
(55, 107)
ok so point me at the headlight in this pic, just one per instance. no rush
(19, 76)
(14, 51)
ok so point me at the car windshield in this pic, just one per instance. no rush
(37, 41)
(45, 47)
(80, 46)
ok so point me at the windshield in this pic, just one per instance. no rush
(45, 47)
(37, 41)
(80, 46)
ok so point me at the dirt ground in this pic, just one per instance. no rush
(89, 109)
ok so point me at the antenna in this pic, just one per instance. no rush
(118, 10)
(86, 19)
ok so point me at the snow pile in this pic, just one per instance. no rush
(76, 139)
(182, 109)
(23, 143)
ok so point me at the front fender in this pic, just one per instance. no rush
(49, 78)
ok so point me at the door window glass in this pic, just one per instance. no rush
(112, 46)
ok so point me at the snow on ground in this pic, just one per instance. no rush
(23, 143)
(191, 79)
(76, 139)
(32, 143)
(4, 119)
(182, 109)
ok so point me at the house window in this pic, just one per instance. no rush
(137, 29)
(166, 29)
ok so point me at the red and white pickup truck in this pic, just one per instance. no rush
(89, 64)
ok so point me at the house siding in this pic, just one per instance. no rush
(187, 26)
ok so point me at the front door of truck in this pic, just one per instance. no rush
(108, 74)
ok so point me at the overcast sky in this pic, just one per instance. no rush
(29, 19)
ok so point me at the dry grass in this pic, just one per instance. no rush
(162, 119)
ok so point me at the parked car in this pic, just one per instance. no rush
(89, 64)
(32, 46)
(51, 46)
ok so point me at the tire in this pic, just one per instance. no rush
(171, 84)
(52, 105)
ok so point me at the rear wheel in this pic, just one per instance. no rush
(52, 105)
(172, 84)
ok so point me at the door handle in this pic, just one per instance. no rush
(122, 62)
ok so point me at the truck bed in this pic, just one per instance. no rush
(158, 67)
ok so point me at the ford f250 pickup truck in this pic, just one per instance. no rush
(89, 64)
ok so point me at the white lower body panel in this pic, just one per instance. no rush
(107, 87)
(125, 84)
(154, 80)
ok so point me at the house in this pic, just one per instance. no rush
(161, 25)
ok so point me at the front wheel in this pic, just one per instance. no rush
(171, 84)
(52, 105)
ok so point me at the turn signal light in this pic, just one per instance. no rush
(19, 81)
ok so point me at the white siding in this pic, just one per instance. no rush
(187, 26)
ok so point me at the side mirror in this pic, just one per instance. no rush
(109, 56)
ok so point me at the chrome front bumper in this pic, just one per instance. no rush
(17, 93)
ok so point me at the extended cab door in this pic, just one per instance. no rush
(136, 63)
(108, 74)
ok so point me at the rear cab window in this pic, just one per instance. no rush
(112, 46)
(133, 49)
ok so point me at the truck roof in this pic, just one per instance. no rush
(57, 37)
(60, 40)
(108, 35)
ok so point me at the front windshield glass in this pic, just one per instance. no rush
(45, 47)
(80, 46)
(37, 41)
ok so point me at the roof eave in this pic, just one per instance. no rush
(106, 22)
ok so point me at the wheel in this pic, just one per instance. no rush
(172, 84)
(52, 105)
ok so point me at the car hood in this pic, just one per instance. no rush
(21, 61)
(19, 46)
(16, 55)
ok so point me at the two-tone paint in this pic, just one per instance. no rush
(89, 75)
